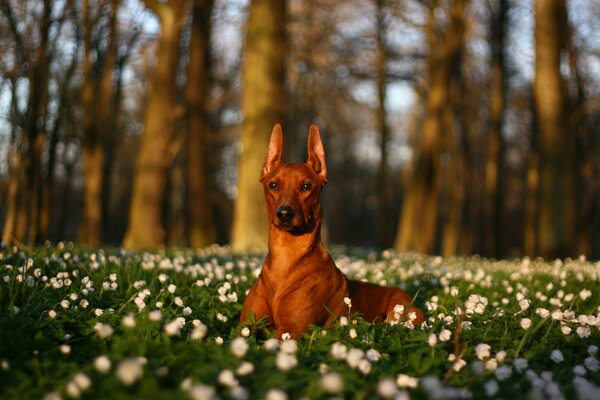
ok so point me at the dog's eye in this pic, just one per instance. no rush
(273, 185)
(305, 187)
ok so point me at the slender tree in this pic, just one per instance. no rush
(494, 172)
(200, 225)
(145, 229)
(420, 210)
(263, 104)
(555, 229)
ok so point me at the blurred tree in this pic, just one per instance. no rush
(420, 210)
(494, 172)
(263, 105)
(33, 49)
(200, 222)
(555, 231)
(97, 97)
(145, 229)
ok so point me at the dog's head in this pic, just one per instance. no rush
(293, 191)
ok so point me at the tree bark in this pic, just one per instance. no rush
(418, 224)
(555, 230)
(201, 230)
(145, 229)
(494, 171)
(263, 104)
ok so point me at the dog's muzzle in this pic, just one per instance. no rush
(285, 215)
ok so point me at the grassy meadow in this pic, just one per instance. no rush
(76, 323)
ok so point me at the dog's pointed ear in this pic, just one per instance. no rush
(273, 156)
(316, 153)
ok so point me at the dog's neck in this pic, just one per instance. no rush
(287, 249)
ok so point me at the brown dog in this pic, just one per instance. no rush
(299, 284)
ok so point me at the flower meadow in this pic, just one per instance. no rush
(77, 323)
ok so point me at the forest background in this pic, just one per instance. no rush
(450, 127)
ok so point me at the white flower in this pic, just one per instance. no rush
(155, 315)
(503, 372)
(354, 356)
(491, 364)
(557, 356)
(585, 294)
(52, 314)
(102, 364)
(459, 364)
(352, 333)
(542, 312)
(592, 364)
(445, 335)
(373, 355)
(525, 323)
(432, 340)
(171, 288)
(219, 340)
(172, 328)
(187, 311)
(348, 302)
(64, 348)
(579, 370)
(406, 381)
(339, 351)
(491, 388)
(556, 315)
(201, 392)
(386, 388)
(199, 332)
(245, 332)
(483, 351)
(98, 312)
(285, 361)
(131, 370)
(271, 345)
(226, 378)
(104, 330)
(286, 336)
(239, 347)
(245, 368)
(65, 304)
(332, 382)
(583, 331)
(500, 356)
(128, 321)
(343, 320)
(276, 394)
(566, 330)
(524, 304)
(178, 301)
(364, 366)
(289, 346)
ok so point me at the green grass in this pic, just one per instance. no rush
(111, 324)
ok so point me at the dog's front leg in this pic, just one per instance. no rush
(256, 303)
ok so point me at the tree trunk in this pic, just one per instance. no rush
(494, 171)
(419, 215)
(455, 138)
(145, 229)
(263, 104)
(555, 230)
(200, 224)
(384, 222)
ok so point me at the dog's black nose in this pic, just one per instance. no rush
(285, 213)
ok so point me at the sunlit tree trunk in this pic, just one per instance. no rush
(263, 104)
(555, 230)
(145, 229)
(455, 136)
(200, 224)
(420, 210)
(494, 175)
